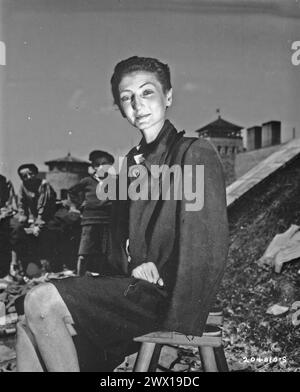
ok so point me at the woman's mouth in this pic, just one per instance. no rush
(141, 117)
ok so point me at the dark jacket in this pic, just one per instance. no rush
(39, 205)
(189, 248)
(94, 211)
(4, 191)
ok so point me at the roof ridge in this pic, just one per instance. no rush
(219, 123)
(262, 170)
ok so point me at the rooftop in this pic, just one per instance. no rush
(67, 159)
(220, 125)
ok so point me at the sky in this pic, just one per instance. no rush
(55, 87)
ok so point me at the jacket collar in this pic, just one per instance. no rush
(154, 153)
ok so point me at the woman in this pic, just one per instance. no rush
(168, 275)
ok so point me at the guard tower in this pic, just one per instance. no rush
(65, 172)
(227, 138)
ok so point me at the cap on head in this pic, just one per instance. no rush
(99, 157)
(31, 166)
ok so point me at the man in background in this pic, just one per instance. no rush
(30, 237)
(5, 213)
(95, 219)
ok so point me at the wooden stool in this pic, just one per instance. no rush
(210, 346)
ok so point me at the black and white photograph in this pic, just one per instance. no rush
(149, 188)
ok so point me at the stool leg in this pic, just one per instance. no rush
(144, 357)
(208, 360)
(221, 359)
(155, 358)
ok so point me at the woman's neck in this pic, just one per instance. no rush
(151, 134)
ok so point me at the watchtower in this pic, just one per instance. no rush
(65, 172)
(227, 138)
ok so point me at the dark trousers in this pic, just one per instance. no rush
(48, 245)
(94, 246)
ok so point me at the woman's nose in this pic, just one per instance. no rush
(136, 102)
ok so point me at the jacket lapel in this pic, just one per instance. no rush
(159, 157)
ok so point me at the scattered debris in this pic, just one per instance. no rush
(3, 284)
(295, 305)
(296, 318)
(6, 353)
(296, 314)
(277, 310)
(283, 248)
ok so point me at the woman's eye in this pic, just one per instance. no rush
(147, 92)
(125, 98)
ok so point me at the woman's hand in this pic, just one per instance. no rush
(149, 272)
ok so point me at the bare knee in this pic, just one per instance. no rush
(39, 301)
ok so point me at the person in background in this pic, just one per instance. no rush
(5, 213)
(95, 220)
(30, 236)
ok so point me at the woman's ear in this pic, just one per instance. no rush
(169, 97)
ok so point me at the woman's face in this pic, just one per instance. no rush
(143, 101)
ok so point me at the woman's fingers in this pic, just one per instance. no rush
(139, 273)
(136, 273)
(153, 272)
(148, 272)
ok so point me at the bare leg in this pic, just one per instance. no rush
(50, 323)
(27, 358)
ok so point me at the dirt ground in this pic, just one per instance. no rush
(253, 339)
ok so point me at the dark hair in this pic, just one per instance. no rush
(99, 154)
(30, 166)
(135, 64)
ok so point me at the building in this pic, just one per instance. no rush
(271, 133)
(253, 138)
(227, 138)
(65, 172)
(266, 135)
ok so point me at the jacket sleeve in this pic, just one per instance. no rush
(4, 191)
(76, 191)
(119, 230)
(12, 199)
(22, 203)
(203, 241)
(46, 201)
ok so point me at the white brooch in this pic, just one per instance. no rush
(138, 158)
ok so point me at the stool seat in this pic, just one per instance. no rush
(212, 336)
(209, 345)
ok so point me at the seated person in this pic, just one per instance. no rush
(95, 219)
(5, 213)
(168, 276)
(30, 236)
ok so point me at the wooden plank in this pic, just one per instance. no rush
(175, 338)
